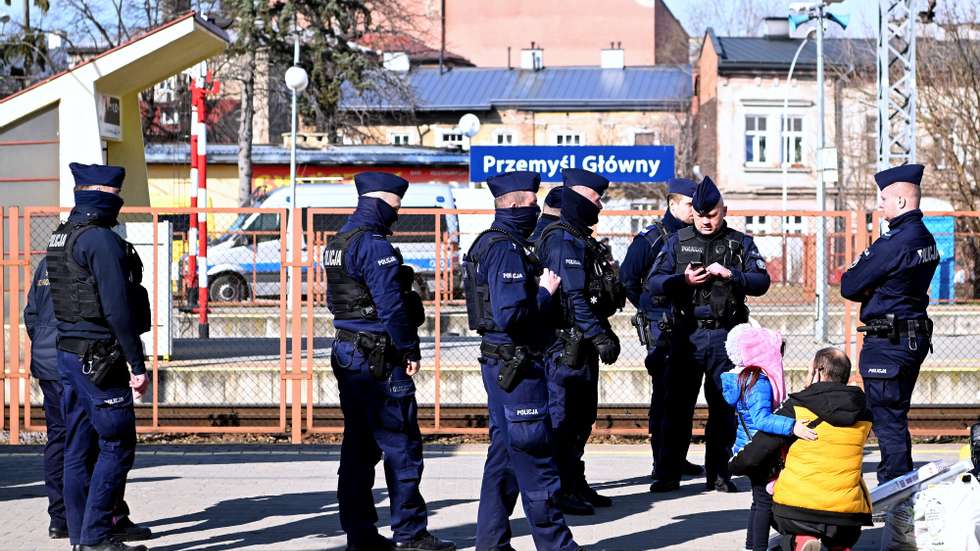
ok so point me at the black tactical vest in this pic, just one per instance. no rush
(479, 312)
(74, 290)
(603, 290)
(347, 298)
(726, 249)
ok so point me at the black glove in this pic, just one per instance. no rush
(607, 345)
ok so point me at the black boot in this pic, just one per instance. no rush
(112, 544)
(379, 543)
(690, 469)
(571, 504)
(426, 542)
(127, 530)
(57, 532)
(587, 494)
(720, 484)
(661, 486)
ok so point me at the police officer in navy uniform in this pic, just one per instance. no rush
(101, 309)
(42, 328)
(707, 270)
(505, 302)
(550, 213)
(891, 281)
(374, 357)
(651, 310)
(590, 293)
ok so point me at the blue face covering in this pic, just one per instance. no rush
(106, 204)
(578, 210)
(378, 210)
(523, 219)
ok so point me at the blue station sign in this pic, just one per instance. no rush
(621, 163)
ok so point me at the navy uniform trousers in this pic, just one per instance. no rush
(100, 446)
(656, 363)
(54, 453)
(700, 357)
(573, 396)
(54, 456)
(890, 370)
(519, 461)
(380, 418)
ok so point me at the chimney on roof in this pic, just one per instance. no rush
(532, 58)
(613, 57)
(396, 61)
(776, 27)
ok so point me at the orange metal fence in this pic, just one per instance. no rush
(271, 333)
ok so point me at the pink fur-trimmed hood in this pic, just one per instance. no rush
(749, 346)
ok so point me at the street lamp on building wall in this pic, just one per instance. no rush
(801, 13)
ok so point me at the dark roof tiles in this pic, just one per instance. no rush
(566, 88)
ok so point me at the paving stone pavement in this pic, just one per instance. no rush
(284, 498)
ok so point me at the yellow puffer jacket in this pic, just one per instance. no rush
(821, 480)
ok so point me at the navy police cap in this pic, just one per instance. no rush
(98, 175)
(579, 177)
(706, 196)
(366, 182)
(553, 199)
(905, 173)
(681, 186)
(519, 180)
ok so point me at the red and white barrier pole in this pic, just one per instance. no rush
(201, 85)
(191, 275)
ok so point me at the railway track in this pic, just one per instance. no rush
(925, 421)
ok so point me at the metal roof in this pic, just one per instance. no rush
(340, 155)
(742, 52)
(557, 88)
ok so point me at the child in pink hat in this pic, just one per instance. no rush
(755, 387)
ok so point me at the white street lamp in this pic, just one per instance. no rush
(806, 11)
(296, 81)
(785, 150)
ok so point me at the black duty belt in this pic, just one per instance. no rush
(905, 326)
(497, 351)
(711, 324)
(360, 338)
(503, 351)
(75, 345)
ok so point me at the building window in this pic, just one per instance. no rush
(755, 224)
(793, 224)
(793, 140)
(398, 138)
(169, 118)
(646, 137)
(567, 138)
(451, 138)
(871, 138)
(755, 139)
(504, 137)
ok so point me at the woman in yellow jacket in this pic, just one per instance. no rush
(820, 494)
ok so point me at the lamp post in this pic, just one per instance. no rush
(782, 142)
(803, 12)
(296, 81)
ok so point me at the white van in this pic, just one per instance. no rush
(244, 262)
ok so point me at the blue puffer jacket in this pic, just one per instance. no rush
(755, 409)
